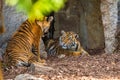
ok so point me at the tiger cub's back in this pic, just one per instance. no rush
(1, 72)
(2, 29)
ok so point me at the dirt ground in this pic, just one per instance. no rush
(95, 67)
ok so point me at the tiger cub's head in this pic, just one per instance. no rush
(68, 40)
(45, 23)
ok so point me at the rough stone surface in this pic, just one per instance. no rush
(12, 22)
(110, 18)
(27, 77)
(68, 19)
(117, 35)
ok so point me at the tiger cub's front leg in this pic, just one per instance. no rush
(36, 50)
(81, 49)
(43, 28)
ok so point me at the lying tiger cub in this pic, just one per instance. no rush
(67, 44)
(23, 47)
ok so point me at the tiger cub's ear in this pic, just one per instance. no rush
(63, 32)
(38, 22)
(76, 36)
(45, 18)
(50, 19)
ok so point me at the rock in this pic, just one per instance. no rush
(26, 77)
(43, 53)
(61, 56)
(1, 52)
(42, 68)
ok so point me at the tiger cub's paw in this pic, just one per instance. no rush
(42, 61)
(85, 53)
(39, 64)
(76, 53)
(61, 56)
(44, 55)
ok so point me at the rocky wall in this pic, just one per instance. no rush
(12, 20)
(68, 19)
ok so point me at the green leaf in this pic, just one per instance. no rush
(11, 2)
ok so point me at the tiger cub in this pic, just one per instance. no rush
(66, 44)
(23, 48)
(2, 23)
(1, 72)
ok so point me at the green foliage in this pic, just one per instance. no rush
(11, 2)
(37, 8)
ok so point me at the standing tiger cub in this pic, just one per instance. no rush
(66, 44)
(23, 47)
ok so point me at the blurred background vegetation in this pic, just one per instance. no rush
(36, 8)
